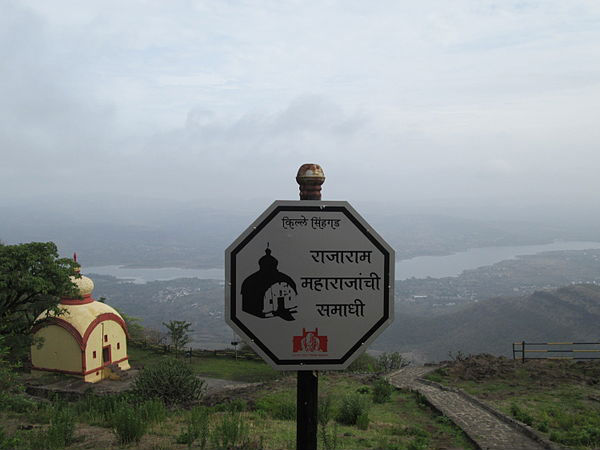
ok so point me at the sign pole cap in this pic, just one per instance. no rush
(310, 177)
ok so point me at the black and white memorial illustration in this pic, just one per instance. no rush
(269, 292)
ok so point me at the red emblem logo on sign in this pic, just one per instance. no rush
(310, 341)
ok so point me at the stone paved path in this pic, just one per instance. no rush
(488, 431)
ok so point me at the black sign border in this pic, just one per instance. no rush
(360, 342)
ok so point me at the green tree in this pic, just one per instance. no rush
(178, 333)
(32, 280)
(8, 377)
(136, 330)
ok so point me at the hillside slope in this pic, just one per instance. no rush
(566, 314)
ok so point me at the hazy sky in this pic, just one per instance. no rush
(223, 100)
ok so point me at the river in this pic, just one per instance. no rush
(418, 267)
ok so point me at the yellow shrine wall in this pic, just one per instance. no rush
(59, 351)
(115, 337)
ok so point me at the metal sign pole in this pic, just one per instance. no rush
(310, 178)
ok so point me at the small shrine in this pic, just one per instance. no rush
(89, 339)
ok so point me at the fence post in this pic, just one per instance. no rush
(522, 351)
(513, 346)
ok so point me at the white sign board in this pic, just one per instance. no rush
(309, 285)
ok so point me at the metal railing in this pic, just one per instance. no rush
(555, 350)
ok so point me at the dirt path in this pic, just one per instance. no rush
(483, 427)
(214, 385)
(75, 388)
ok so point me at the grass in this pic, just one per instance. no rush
(263, 419)
(403, 410)
(214, 367)
(559, 399)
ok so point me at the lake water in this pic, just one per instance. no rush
(143, 275)
(419, 267)
(453, 265)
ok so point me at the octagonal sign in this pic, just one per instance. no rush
(309, 285)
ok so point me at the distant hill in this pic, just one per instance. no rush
(566, 314)
(169, 234)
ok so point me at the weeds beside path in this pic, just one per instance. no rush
(486, 429)
(560, 400)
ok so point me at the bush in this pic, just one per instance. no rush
(363, 390)
(280, 407)
(153, 411)
(231, 432)
(197, 428)
(324, 415)
(8, 376)
(419, 443)
(421, 400)
(171, 381)
(59, 434)
(365, 363)
(521, 415)
(587, 436)
(10, 443)
(99, 409)
(386, 362)
(329, 438)
(9, 382)
(233, 405)
(128, 424)
(382, 391)
(411, 431)
(16, 402)
(325, 409)
(362, 421)
(352, 407)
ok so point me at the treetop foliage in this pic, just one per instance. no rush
(32, 280)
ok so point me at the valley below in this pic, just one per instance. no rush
(549, 295)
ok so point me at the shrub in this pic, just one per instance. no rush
(16, 402)
(363, 390)
(543, 426)
(280, 407)
(365, 363)
(434, 376)
(230, 432)
(59, 434)
(386, 362)
(444, 420)
(10, 443)
(324, 415)
(197, 428)
(421, 400)
(99, 409)
(153, 411)
(352, 407)
(128, 424)
(419, 443)
(384, 443)
(362, 421)
(236, 405)
(382, 391)
(328, 438)
(8, 377)
(521, 415)
(171, 381)
(325, 409)
(411, 431)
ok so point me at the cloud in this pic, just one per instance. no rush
(224, 100)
